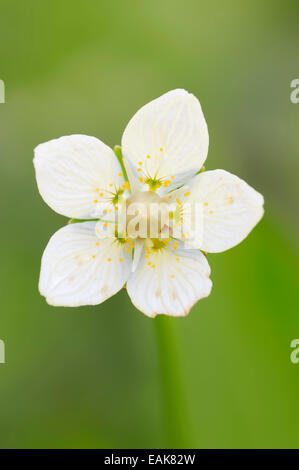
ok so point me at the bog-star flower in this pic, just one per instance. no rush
(163, 150)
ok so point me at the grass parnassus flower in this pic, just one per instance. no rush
(164, 148)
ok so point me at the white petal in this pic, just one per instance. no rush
(230, 208)
(138, 252)
(134, 183)
(80, 269)
(75, 174)
(171, 284)
(169, 137)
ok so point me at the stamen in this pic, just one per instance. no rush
(126, 185)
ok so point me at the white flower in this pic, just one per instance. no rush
(164, 147)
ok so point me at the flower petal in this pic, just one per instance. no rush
(230, 209)
(138, 251)
(167, 138)
(76, 174)
(78, 268)
(169, 281)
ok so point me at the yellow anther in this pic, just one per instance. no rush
(205, 203)
(178, 201)
(101, 194)
(140, 163)
(97, 243)
(146, 256)
(126, 185)
(121, 260)
(148, 156)
(161, 150)
(172, 276)
(187, 194)
(93, 256)
(139, 169)
(177, 259)
(172, 177)
(132, 246)
(97, 190)
(120, 174)
(109, 259)
(116, 208)
(96, 201)
(149, 263)
(211, 212)
(128, 250)
(110, 185)
(141, 179)
(153, 266)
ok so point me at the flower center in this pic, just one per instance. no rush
(146, 215)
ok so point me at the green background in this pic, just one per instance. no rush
(93, 376)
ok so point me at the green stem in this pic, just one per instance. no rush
(176, 420)
(119, 155)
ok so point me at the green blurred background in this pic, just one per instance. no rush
(91, 377)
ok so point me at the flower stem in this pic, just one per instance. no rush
(118, 152)
(176, 420)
